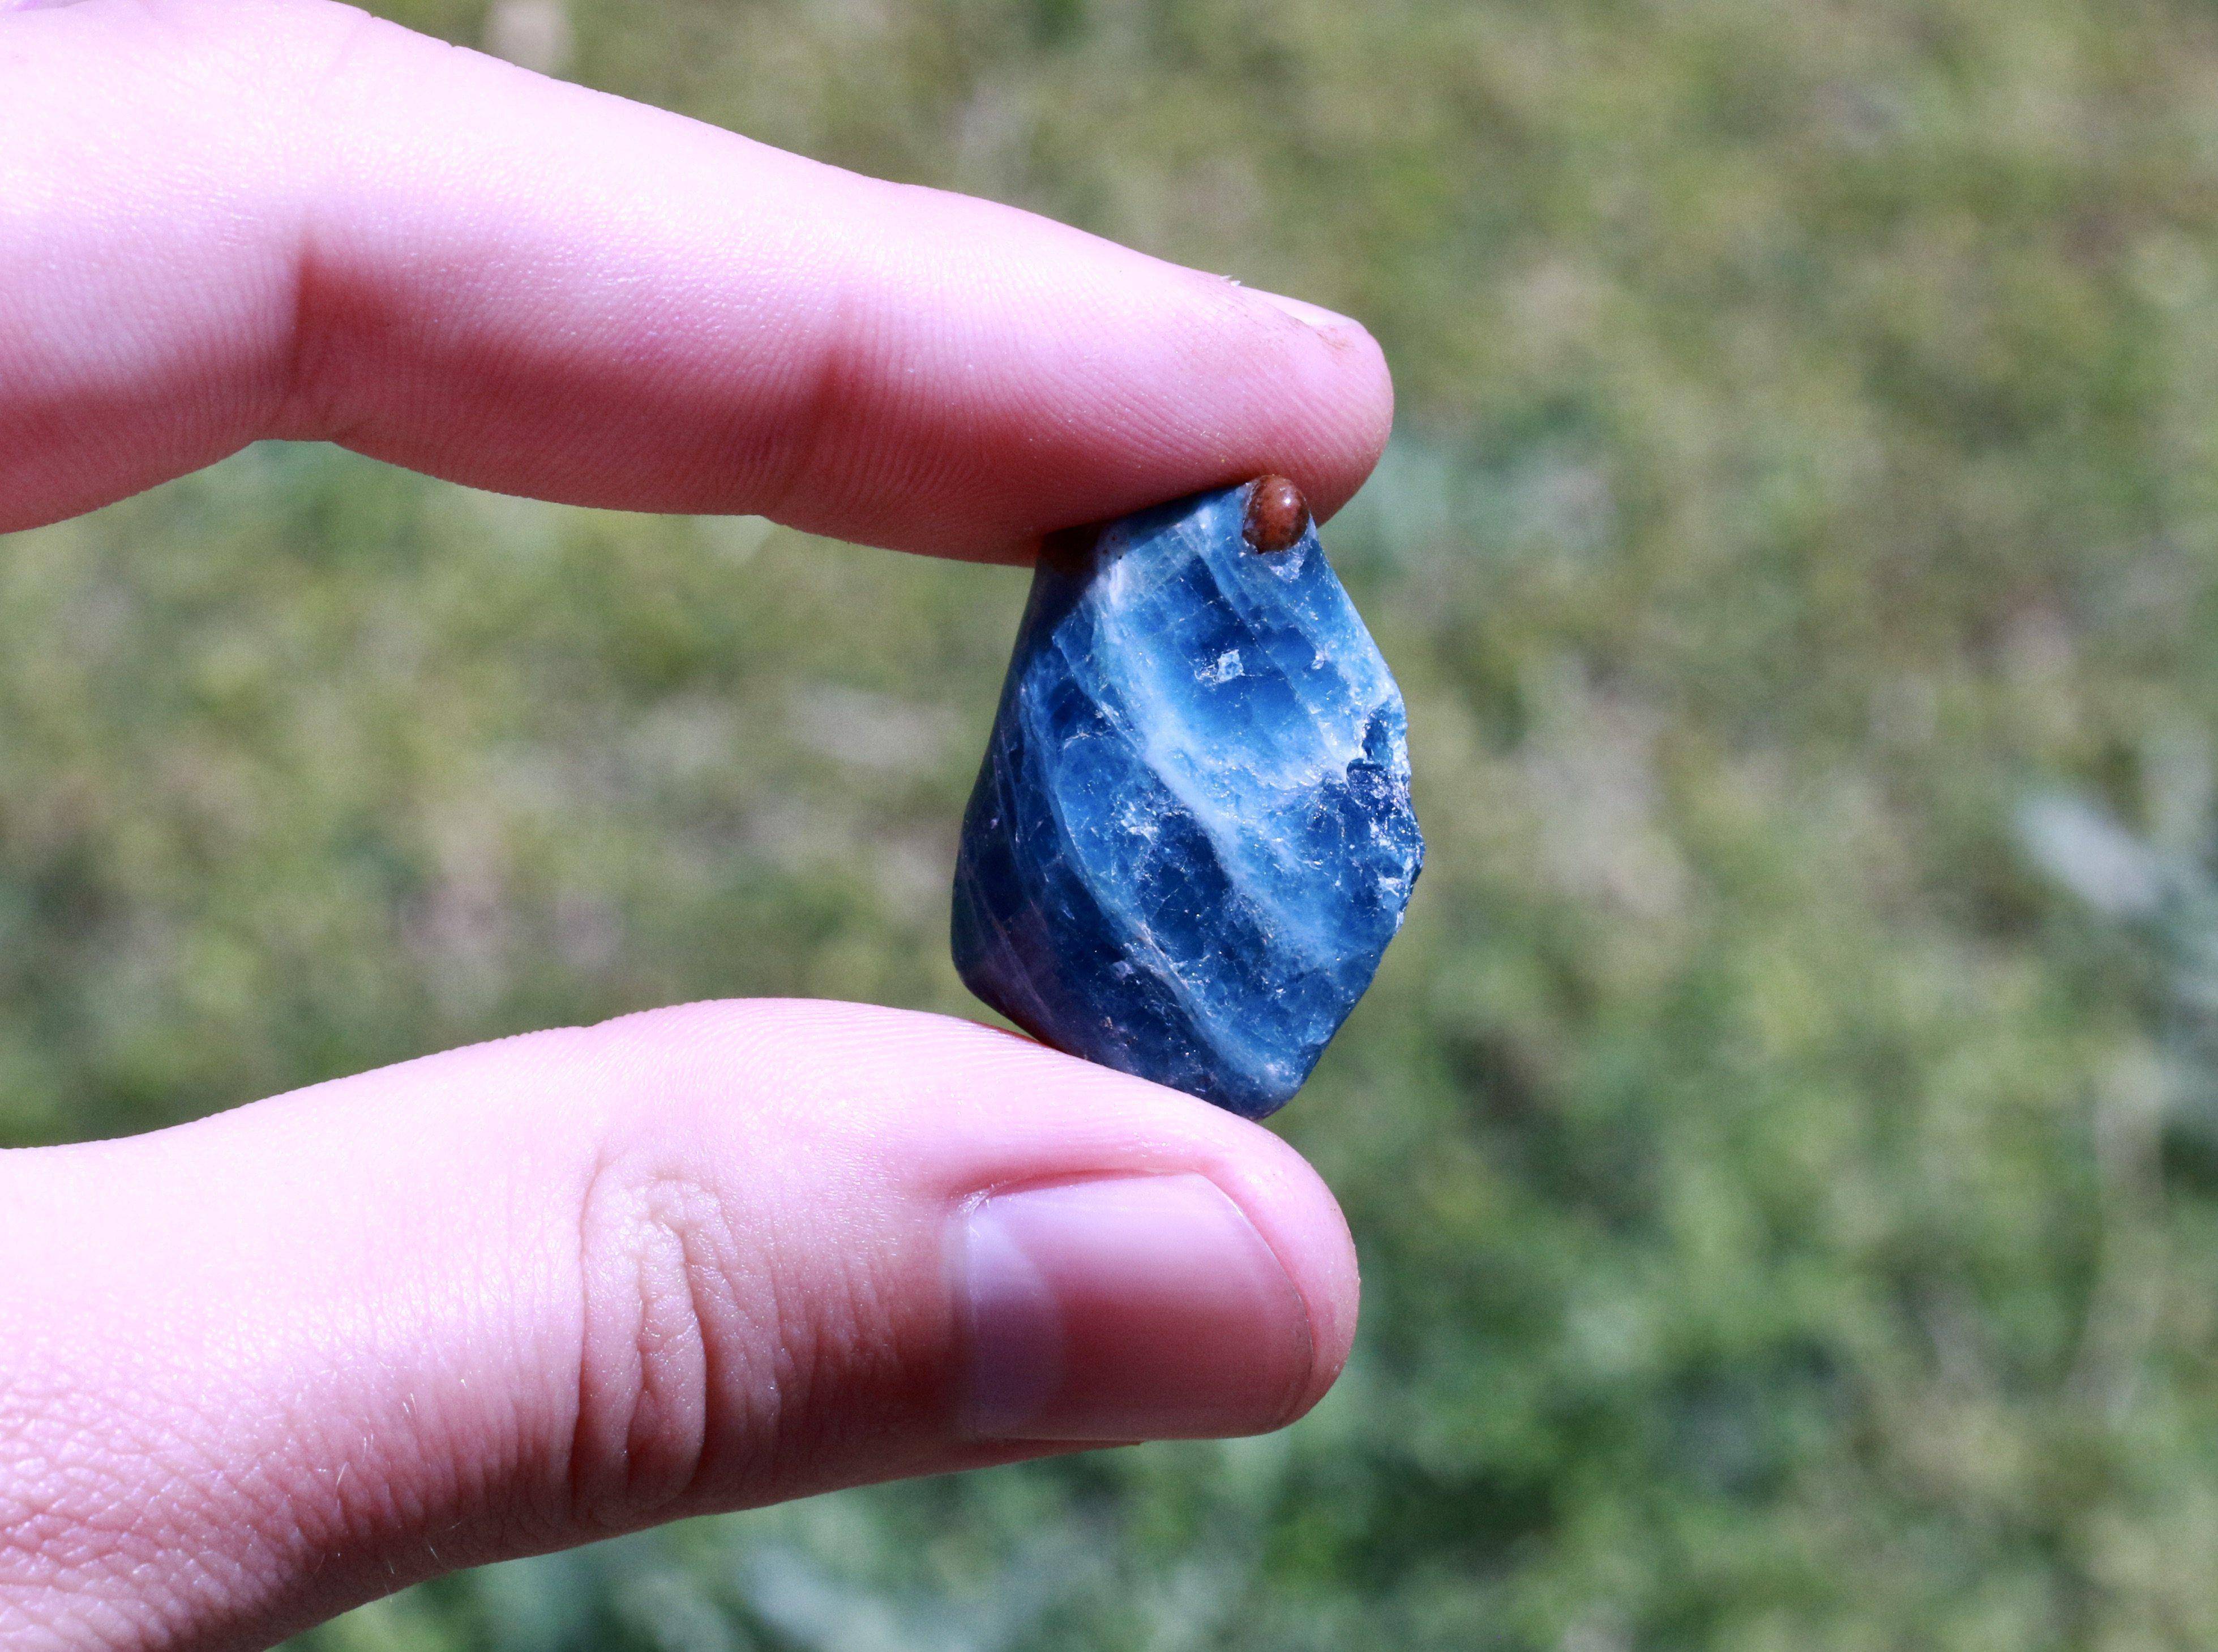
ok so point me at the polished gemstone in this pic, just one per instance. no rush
(1190, 839)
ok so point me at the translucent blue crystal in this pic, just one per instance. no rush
(1192, 838)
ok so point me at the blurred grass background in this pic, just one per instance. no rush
(1784, 1145)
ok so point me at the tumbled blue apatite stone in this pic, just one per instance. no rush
(1192, 838)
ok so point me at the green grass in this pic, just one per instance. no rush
(1789, 1220)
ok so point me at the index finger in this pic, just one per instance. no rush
(230, 219)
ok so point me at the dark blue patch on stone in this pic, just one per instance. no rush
(1192, 838)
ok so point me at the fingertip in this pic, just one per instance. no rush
(985, 1109)
(1346, 378)
(1303, 1223)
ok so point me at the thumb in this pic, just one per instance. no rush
(256, 1370)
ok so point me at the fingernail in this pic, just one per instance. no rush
(1139, 1308)
(1310, 315)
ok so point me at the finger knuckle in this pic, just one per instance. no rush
(651, 1265)
(701, 1348)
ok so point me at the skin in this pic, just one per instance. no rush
(258, 1369)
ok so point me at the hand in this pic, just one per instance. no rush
(258, 1369)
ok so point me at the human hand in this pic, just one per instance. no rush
(258, 1369)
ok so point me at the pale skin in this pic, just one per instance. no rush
(257, 1369)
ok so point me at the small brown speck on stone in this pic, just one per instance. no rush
(1276, 515)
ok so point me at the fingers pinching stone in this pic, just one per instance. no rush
(1277, 516)
(1191, 836)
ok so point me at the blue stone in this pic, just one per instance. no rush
(1192, 838)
